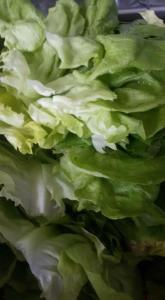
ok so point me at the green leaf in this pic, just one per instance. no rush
(142, 93)
(101, 17)
(21, 25)
(110, 197)
(23, 35)
(153, 120)
(17, 77)
(69, 48)
(123, 52)
(23, 182)
(81, 91)
(119, 166)
(65, 19)
(11, 11)
(44, 70)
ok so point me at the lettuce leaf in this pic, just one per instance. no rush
(61, 255)
(65, 19)
(120, 166)
(68, 50)
(101, 17)
(21, 25)
(23, 182)
(82, 151)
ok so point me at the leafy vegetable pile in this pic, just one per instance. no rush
(82, 153)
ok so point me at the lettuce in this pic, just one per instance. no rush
(82, 152)
(53, 256)
(65, 19)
